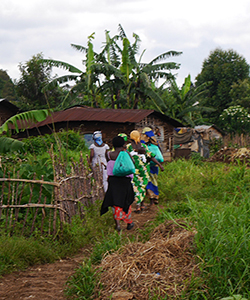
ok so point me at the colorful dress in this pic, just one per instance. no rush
(142, 169)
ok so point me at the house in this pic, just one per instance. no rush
(110, 122)
(197, 139)
(7, 110)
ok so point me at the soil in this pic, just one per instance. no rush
(47, 281)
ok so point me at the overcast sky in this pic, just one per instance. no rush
(195, 27)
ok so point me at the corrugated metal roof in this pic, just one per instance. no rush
(104, 115)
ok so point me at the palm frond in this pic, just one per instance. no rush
(159, 67)
(195, 109)
(122, 33)
(79, 48)
(60, 64)
(164, 56)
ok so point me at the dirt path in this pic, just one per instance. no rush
(48, 281)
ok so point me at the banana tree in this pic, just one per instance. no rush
(133, 84)
(186, 103)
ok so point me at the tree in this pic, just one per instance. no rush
(34, 76)
(240, 93)
(222, 69)
(184, 104)
(113, 77)
(7, 88)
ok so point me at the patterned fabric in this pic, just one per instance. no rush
(152, 187)
(141, 176)
(119, 214)
(123, 135)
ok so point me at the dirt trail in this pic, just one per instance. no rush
(48, 281)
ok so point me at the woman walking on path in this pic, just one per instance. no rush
(120, 194)
(140, 154)
(152, 191)
(98, 152)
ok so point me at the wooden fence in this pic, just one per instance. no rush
(238, 140)
(28, 205)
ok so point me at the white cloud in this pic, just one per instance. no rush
(195, 27)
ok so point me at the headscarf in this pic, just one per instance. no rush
(135, 135)
(123, 135)
(97, 137)
(148, 135)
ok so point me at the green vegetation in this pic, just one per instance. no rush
(214, 197)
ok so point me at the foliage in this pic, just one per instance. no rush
(235, 119)
(214, 197)
(69, 140)
(220, 219)
(113, 77)
(222, 69)
(7, 88)
(23, 120)
(240, 93)
(215, 145)
(184, 104)
(9, 145)
(29, 88)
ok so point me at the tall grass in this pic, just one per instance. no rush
(214, 198)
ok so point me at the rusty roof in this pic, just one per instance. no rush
(79, 113)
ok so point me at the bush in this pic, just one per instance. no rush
(69, 140)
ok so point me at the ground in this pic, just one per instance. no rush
(47, 281)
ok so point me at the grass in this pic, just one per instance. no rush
(214, 197)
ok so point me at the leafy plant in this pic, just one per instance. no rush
(24, 120)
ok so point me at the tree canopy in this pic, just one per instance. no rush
(7, 88)
(222, 69)
(29, 88)
(114, 77)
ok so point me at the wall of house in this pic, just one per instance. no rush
(111, 129)
(5, 114)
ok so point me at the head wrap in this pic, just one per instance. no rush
(124, 136)
(118, 141)
(97, 137)
(148, 135)
(135, 135)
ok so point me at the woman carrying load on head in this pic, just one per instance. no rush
(140, 154)
(152, 191)
(98, 152)
(120, 194)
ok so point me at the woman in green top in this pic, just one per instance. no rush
(141, 156)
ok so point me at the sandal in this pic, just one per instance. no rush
(138, 210)
(156, 201)
(143, 207)
(130, 226)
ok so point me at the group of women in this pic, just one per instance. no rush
(122, 191)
